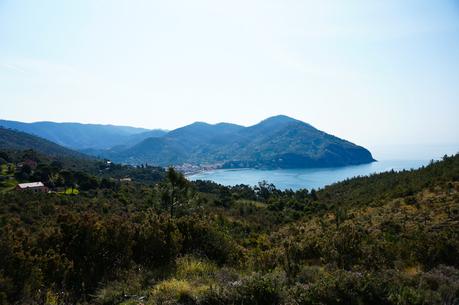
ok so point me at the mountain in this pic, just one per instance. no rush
(85, 136)
(277, 142)
(18, 140)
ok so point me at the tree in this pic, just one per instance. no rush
(224, 198)
(340, 215)
(24, 173)
(265, 190)
(313, 194)
(174, 191)
(69, 179)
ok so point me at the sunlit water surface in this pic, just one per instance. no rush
(304, 178)
(390, 157)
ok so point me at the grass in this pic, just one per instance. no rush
(4, 169)
(189, 267)
(71, 191)
(189, 279)
(9, 183)
(412, 270)
(192, 278)
(171, 290)
(128, 290)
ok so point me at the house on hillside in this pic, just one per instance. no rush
(32, 186)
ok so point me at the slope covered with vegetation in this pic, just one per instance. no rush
(391, 238)
(84, 136)
(277, 142)
(17, 140)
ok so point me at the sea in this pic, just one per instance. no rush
(397, 158)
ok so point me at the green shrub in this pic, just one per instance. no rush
(203, 238)
(174, 291)
(255, 290)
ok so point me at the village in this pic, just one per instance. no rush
(189, 169)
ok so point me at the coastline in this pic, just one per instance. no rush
(302, 177)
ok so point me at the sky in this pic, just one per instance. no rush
(373, 72)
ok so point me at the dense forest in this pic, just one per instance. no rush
(390, 238)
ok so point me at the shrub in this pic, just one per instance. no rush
(130, 284)
(338, 288)
(203, 238)
(158, 240)
(174, 291)
(255, 290)
(189, 267)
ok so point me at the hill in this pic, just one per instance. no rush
(390, 238)
(17, 140)
(84, 136)
(277, 142)
(20, 146)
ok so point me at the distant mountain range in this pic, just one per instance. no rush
(277, 142)
(84, 136)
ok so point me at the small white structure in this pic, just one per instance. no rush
(32, 186)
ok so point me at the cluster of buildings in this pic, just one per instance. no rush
(190, 169)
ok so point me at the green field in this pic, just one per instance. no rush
(8, 182)
(71, 191)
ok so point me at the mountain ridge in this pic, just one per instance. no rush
(276, 142)
(81, 136)
(17, 140)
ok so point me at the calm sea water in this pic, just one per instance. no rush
(395, 157)
(304, 178)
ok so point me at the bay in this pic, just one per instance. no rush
(304, 178)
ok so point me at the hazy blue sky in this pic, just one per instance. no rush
(373, 72)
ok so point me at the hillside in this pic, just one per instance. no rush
(390, 238)
(84, 136)
(21, 146)
(277, 142)
(17, 140)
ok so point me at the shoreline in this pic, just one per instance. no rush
(298, 178)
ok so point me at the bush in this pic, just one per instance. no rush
(255, 290)
(340, 287)
(130, 284)
(203, 238)
(158, 240)
(189, 267)
(174, 291)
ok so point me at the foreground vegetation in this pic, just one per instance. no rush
(391, 238)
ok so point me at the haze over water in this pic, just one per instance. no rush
(393, 158)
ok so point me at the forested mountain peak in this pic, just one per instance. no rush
(279, 119)
(276, 142)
